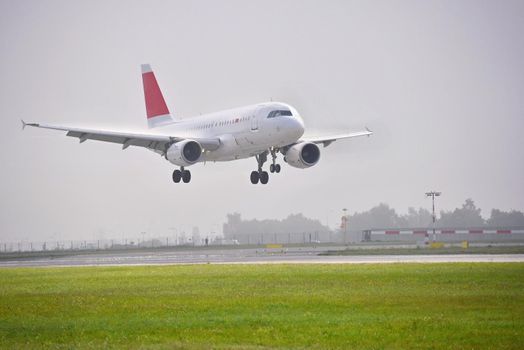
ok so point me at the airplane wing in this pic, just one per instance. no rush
(154, 142)
(328, 139)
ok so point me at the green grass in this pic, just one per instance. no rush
(396, 306)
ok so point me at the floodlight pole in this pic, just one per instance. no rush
(433, 194)
(345, 210)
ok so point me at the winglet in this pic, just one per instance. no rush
(24, 124)
(370, 132)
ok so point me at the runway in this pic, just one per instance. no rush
(299, 255)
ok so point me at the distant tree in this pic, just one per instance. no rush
(417, 218)
(503, 218)
(467, 216)
(380, 216)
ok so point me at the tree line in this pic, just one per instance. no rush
(383, 216)
(378, 217)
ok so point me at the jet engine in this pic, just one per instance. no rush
(184, 153)
(302, 155)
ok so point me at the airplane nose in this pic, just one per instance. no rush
(298, 126)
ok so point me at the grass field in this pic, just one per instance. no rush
(397, 306)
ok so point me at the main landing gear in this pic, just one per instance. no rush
(182, 174)
(261, 175)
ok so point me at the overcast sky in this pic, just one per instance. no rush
(441, 83)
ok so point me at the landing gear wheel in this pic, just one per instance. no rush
(177, 175)
(277, 168)
(254, 177)
(186, 176)
(272, 168)
(264, 177)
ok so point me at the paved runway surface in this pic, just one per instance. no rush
(299, 255)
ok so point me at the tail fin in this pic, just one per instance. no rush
(156, 108)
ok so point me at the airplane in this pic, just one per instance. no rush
(260, 130)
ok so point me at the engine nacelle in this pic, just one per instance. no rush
(184, 153)
(303, 155)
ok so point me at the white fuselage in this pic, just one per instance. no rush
(243, 132)
(260, 130)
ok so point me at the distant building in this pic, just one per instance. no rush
(196, 236)
(294, 229)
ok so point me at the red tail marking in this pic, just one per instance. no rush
(155, 104)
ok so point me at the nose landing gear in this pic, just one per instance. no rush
(274, 168)
(182, 174)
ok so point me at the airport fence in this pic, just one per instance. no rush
(161, 242)
(95, 244)
(285, 238)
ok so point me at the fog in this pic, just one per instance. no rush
(440, 83)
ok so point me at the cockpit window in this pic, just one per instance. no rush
(279, 113)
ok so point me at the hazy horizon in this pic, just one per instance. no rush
(440, 83)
